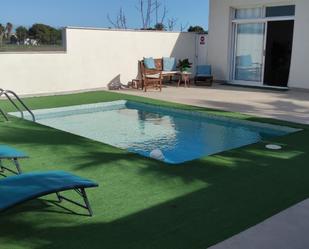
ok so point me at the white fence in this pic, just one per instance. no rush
(93, 58)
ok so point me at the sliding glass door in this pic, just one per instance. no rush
(249, 52)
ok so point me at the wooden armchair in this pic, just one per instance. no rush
(151, 78)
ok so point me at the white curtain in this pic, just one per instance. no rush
(251, 13)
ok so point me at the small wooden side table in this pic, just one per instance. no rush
(137, 84)
(185, 78)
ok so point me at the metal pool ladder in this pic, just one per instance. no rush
(8, 94)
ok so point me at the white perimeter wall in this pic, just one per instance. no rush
(94, 57)
(220, 33)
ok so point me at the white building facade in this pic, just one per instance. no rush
(260, 42)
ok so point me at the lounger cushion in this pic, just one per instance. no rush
(7, 152)
(24, 187)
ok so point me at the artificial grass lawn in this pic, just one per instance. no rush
(142, 203)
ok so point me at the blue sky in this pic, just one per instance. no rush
(94, 13)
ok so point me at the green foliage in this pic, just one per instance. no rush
(197, 29)
(2, 30)
(45, 34)
(21, 33)
(184, 65)
(160, 26)
(9, 29)
(150, 28)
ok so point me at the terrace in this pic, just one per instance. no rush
(243, 189)
(290, 105)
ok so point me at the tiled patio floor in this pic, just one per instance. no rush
(286, 230)
(292, 105)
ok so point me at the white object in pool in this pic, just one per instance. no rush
(157, 154)
(273, 147)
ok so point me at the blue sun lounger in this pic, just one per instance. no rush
(18, 189)
(7, 152)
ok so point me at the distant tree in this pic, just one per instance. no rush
(171, 22)
(120, 21)
(55, 36)
(13, 39)
(157, 7)
(197, 29)
(45, 34)
(150, 28)
(21, 33)
(147, 8)
(184, 27)
(152, 12)
(159, 26)
(8, 30)
(2, 32)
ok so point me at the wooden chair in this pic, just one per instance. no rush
(151, 78)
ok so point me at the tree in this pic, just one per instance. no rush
(197, 29)
(152, 12)
(159, 26)
(171, 22)
(147, 8)
(13, 39)
(157, 6)
(183, 27)
(2, 32)
(8, 30)
(45, 34)
(21, 33)
(121, 20)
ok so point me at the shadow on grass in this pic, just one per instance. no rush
(243, 188)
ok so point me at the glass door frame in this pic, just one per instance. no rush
(235, 23)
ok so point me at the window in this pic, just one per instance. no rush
(249, 13)
(276, 11)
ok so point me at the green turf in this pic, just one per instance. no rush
(142, 203)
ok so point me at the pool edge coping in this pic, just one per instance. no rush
(176, 110)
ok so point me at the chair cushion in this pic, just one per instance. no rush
(149, 63)
(203, 70)
(169, 64)
(153, 76)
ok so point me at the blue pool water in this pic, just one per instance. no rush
(140, 128)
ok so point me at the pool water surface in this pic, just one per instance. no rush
(145, 129)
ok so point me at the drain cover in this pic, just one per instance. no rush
(273, 147)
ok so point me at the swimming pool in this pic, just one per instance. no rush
(171, 135)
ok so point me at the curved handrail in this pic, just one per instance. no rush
(4, 115)
(7, 92)
(1, 111)
(13, 103)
